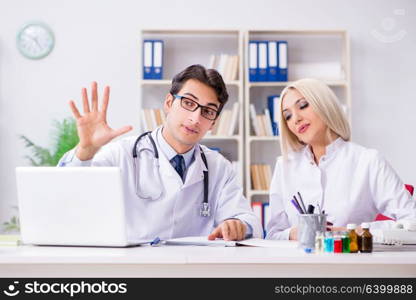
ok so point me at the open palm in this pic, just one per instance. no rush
(93, 130)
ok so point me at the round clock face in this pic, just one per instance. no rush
(35, 40)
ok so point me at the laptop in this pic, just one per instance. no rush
(72, 206)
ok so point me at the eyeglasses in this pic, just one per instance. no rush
(191, 105)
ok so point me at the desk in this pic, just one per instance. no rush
(197, 261)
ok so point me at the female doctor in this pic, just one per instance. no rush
(173, 186)
(351, 183)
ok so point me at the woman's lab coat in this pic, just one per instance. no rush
(177, 212)
(352, 184)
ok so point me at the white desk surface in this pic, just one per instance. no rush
(199, 261)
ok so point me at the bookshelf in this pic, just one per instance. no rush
(311, 53)
(183, 48)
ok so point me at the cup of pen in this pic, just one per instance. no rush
(308, 225)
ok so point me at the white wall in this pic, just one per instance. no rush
(99, 40)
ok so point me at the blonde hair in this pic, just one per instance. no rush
(325, 104)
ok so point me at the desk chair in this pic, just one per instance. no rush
(381, 217)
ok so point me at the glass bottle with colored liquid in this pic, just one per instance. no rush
(328, 242)
(366, 239)
(353, 238)
(319, 242)
(345, 242)
(337, 242)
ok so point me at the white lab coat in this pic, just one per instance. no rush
(352, 184)
(177, 213)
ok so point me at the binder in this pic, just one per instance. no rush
(273, 106)
(266, 216)
(147, 59)
(157, 59)
(253, 61)
(262, 54)
(273, 66)
(283, 62)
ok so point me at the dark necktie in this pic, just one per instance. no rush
(177, 164)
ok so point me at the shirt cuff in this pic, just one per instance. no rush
(71, 160)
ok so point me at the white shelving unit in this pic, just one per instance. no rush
(183, 48)
(305, 48)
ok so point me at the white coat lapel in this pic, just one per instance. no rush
(170, 178)
(196, 170)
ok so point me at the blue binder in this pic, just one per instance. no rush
(283, 61)
(273, 61)
(147, 59)
(263, 57)
(157, 70)
(272, 105)
(266, 217)
(253, 61)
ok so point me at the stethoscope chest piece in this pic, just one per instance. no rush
(205, 210)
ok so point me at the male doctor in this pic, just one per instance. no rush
(164, 184)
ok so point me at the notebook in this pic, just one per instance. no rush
(72, 206)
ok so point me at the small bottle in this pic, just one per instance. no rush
(366, 239)
(353, 237)
(329, 242)
(337, 243)
(319, 242)
(345, 242)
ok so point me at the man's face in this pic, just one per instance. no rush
(187, 127)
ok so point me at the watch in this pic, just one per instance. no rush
(35, 40)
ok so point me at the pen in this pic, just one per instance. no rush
(300, 207)
(155, 242)
(296, 205)
(301, 203)
(319, 209)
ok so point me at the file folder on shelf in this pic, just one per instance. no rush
(283, 61)
(262, 60)
(272, 59)
(253, 61)
(147, 59)
(157, 59)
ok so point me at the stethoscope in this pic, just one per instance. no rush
(205, 207)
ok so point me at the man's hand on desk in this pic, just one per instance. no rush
(229, 230)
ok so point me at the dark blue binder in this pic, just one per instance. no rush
(272, 71)
(147, 59)
(283, 61)
(157, 70)
(263, 58)
(253, 61)
(272, 102)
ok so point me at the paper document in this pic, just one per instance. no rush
(254, 242)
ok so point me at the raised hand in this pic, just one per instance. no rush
(93, 130)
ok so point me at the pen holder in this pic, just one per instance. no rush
(308, 225)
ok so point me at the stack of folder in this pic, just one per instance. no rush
(268, 61)
(152, 59)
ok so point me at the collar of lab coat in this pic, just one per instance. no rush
(330, 151)
(170, 153)
(195, 171)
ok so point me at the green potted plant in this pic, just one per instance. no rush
(65, 137)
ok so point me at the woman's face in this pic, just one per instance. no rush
(301, 120)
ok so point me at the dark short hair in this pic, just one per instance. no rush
(210, 77)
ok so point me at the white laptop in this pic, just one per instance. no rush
(72, 206)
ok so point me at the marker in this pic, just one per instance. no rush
(311, 209)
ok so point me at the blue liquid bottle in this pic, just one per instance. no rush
(329, 242)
